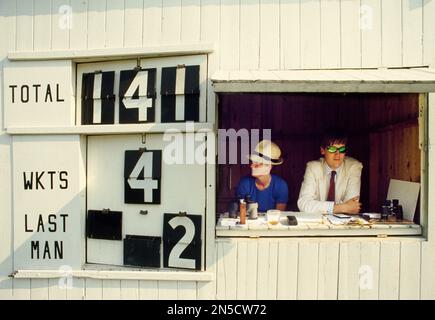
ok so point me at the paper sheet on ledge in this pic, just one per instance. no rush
(337, 221)
(306, 217)
(407, 193)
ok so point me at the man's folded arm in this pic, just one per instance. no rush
(308, 194)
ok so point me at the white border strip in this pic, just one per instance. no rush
(112, 129)
(118, 275)
(335, 232)
(113, 54)
(325, 86)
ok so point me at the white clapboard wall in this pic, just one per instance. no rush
(358, 268)
(254, 35)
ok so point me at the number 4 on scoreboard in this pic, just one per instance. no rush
(142, 176)
(137, 95)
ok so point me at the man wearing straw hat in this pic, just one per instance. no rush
(268, 190)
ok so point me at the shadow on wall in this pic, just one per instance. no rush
(49, 251)
(6, 247)
(50, 240)
(2, 111)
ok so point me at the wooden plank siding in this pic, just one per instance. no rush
(392, 27)
(371, 35)
(350, 34)
(77, 290)
(330, 34)
(349, 265)
(369, 272)
(297, 33)
(61, 24)
(25, 25)
(250, 35)
(389, 270)
(255, 35)
(321, 269)
(80, 22)
(129, 289)
(39, 289)
(96, 27)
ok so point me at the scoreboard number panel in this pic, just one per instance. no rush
(98, 99)
(142, 176)
(182, 241)
(151, 90)
(180, 93)
(137, 95)
(130, 176)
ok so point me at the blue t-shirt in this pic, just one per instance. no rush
(276, 192)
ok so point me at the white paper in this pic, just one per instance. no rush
(337, 221)
(306, 217)
(227, 222)
(407, 193)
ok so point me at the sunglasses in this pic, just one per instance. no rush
(334, 149)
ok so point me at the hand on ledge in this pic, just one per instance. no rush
(352, 206)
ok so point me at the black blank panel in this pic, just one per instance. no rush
(142, 251)
(104, 225)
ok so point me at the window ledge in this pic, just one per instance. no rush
(116, 274)
(318, 229)
(312, 232)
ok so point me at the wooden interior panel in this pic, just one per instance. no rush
(394, 150)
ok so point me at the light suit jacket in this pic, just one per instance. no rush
(313, 194)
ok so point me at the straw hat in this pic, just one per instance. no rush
(266, 152)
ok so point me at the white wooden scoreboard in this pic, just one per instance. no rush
(116, 199)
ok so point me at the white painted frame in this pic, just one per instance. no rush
(93, 55)
(94, 273)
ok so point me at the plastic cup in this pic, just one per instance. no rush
(273, 216)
